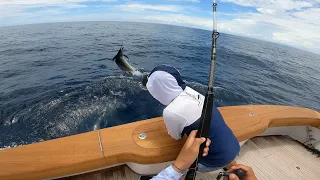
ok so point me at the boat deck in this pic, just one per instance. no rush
(273, 157)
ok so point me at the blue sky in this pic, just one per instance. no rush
(290, 22)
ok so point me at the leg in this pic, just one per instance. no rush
(203, 168)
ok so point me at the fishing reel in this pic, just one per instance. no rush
(239, 172)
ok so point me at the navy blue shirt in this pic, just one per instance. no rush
(224, 145)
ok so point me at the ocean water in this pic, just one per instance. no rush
(58, 79)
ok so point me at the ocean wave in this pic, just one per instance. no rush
(82, 109)
(55, 81)
(114, 101)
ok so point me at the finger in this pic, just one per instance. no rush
(208, 142)
(245, 168)
(199, 141)
(232, 169)
(196, 144)
(205, 152)
(248, 170)
(233, 177)
(191, 138)
(225, 178)
(193, 133)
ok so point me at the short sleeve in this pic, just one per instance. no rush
(174, 123)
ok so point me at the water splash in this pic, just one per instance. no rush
(116, 100)
(137, 73)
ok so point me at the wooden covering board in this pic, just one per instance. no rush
(121, 172)
(271, 158)
(52, 158)
(79, 153)
(121, 147)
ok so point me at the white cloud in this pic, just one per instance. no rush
(311, 15)
(144, 7)
(180, 19)
(11, 8)
(273, 4)
(295, 23)
(46, 2)
(283, 29)
(291, 22)
(266, 11)
(194, 1)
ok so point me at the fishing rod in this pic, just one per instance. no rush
(205, 119)
(206, 115)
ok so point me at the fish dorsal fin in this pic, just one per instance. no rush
(113, 59)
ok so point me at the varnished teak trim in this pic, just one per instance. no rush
(79, 153)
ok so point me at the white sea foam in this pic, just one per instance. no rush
(12, 145)
(120, 93)
(137, 73)
(14, 120)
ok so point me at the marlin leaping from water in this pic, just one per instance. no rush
(122, 62)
